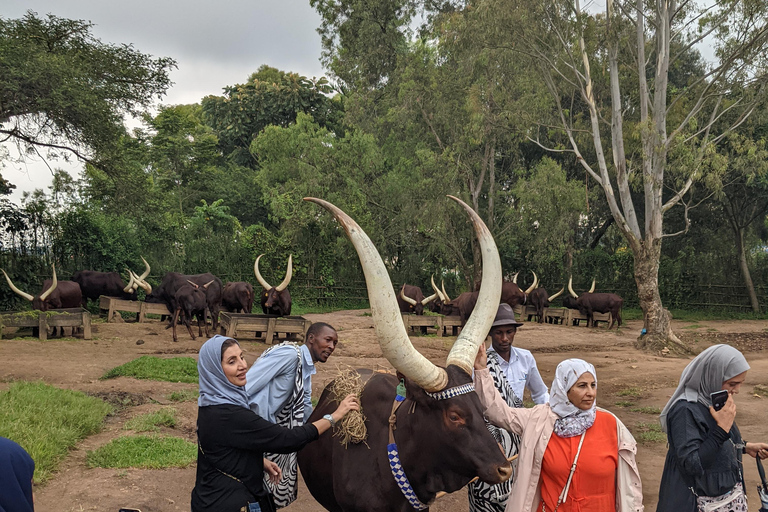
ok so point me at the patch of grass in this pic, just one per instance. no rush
(314, 401)
(174, 369)
(624, 404)
(147, 452)
(366, 314)
(631, 392)
(151, 422)
(48, 421)
(692, 326)
(761, 390)
(183, 395)
(647, 410)
(649, 433)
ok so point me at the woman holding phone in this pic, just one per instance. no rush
(702, 470)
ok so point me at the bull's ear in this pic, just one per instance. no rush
(413, 391)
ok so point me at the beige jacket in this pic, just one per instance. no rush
(535, 426)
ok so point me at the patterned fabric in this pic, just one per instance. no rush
(732, 501)
(452, 392)
(402, 481)
(292, 415)
(493, 498)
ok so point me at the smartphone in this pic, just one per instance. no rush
(129, 510)
(719, 398)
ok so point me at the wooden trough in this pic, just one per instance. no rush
(69, 317)
(422, 321)
(575, 317)
(449, 322)
(264, 326)
(113, 305)
(557, 315)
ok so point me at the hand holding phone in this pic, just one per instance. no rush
(718, 399)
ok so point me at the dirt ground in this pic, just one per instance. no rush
(78, 364)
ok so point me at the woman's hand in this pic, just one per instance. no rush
(757, 450)
(725, 416)
(273, 470)
(481, 359)
(350, 403)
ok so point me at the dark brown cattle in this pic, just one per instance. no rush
(410, 299)
(440, 436)
(94, 284)
(172, 281)
(442, 304)
(275, 300)
(539, 299)
(590, 302)
(237, 297)
(190, 300)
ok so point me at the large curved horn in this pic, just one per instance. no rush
(476, 329)
(131, 282)
(146, 270)
(288, 274)
(447, 298)
(429, 299)
(194, 285)
(209, 283)
(514, 277)
(534, 285)
(387, 322)
(139, 282)
(53, 286)
(434, 287)
(592, 290)
(13, 287)
(405, 298)
(570, 288)
(553, 297)
(260, 279)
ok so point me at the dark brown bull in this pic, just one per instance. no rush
(589, 303)
(570, 301)
(190, 300)
(237, 297)
(275, 300)
(410, 299)
(172, 281)
(510, 294)
(442, 441)
(94, 284)
(442, 304)
(539, 299)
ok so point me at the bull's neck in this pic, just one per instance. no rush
(424, 481)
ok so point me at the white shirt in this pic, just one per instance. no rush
(521, 372)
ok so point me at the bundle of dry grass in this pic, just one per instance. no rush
(352, 427)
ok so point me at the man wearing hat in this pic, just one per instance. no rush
(513, 369)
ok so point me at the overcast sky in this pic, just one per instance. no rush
(215, 43)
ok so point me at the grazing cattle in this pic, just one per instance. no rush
(237, 297)
(442, 304)
(191, 301)
(510, 294)
(539, 299)
(172, 281)
(93, 284)
(54, 295)
(589, 303)
(275, 300)
(410, 299)
(437, 438)
(571, 301)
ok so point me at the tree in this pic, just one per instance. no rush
(642, 138)
(64, 92)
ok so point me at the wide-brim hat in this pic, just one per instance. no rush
(505, 316)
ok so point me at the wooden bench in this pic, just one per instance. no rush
(113, 305)
(452, 322)
(69, 317)
(528, 313)
(423, 322)
(575, 317)
(236, 325)
(556, 315)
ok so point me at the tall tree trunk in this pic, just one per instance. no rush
(657, 320)
(739, 233)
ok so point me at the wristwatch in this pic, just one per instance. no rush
(330, 418)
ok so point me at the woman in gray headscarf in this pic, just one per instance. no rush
(705, 446)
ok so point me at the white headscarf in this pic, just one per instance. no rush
(571, 421)
(705, 375)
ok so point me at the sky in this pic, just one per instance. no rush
(215, 44)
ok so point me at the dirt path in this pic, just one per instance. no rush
(78, 364)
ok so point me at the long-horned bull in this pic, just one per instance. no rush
(540, 299)
(191, 301)
(442, 304)
(570, 300)
(513, 295)
(590, 302)
(439, 440)
(275, 300)
(172, 281)
(93, 284)
(237, 296)
(410, 299)
(510, 294)
(54, 295)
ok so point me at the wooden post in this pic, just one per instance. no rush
(86, 325)
(270, 331)
(42, 326)
(111, 311)
(232, 327)
(142, 312)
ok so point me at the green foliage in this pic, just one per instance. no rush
(184, 395)
(145, 452)
(649, 433)
(151, 422)
(631, 392)
(174, 369)
(48, 421)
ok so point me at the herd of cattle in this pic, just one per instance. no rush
(190, 296)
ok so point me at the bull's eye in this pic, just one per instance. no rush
(454, 416)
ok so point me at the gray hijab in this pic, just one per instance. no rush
(705, 375)
(215, 388)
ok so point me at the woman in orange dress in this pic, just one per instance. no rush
(569, 429)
